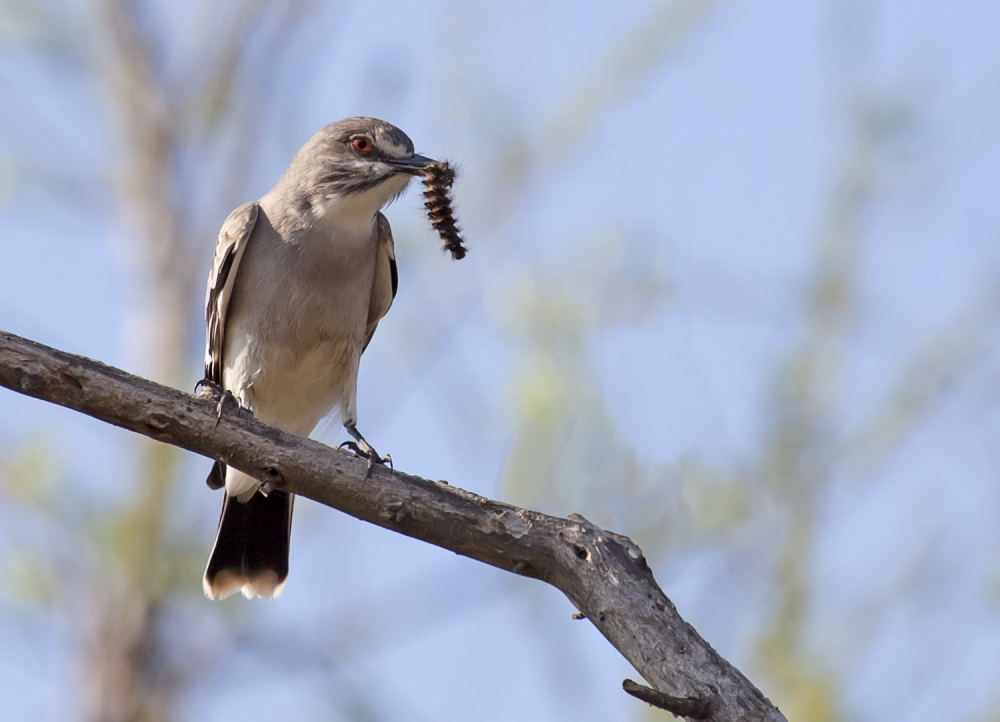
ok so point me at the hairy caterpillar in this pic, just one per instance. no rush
(438, 179)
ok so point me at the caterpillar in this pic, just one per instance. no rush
(438, 179)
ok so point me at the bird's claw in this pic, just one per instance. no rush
(227, 399)
(368, 454)
(352, 446)
(223, 398)
(213, 389)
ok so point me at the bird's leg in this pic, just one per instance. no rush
(363, 449)
(223, 397)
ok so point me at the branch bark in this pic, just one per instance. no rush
(603, 574)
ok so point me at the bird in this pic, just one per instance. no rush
(299, 282)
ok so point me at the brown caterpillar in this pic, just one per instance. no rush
(438, 178)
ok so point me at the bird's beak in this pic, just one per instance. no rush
(414, 164)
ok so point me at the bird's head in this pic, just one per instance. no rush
(358, 164)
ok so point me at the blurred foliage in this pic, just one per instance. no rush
(567, 453)
(29, 476)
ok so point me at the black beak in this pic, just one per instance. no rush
(414, 164)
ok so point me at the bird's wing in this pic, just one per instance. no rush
(229, 250)
(386, 278)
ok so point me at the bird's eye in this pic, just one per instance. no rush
(361, 145)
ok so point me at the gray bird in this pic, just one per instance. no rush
(299, 283)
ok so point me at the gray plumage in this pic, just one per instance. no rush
(298, 285)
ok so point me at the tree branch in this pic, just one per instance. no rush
(604, 575)
(691, 707)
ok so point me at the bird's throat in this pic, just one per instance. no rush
(357, 210)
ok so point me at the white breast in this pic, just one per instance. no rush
(297, 322)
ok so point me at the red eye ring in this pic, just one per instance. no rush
(361, 144)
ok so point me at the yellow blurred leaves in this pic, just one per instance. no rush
(29, 479)
(30, 475)
(713, 502)
(541, 390)
(28, 578)
(616, 278)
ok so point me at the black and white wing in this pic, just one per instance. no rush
(233, 239)
(386, 278)
(229, 250)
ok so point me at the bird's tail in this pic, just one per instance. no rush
(251, 547)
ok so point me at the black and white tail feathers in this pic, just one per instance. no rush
(251, 546)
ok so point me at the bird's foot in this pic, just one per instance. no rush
(366, 451)
(207, 387)
(222, 397)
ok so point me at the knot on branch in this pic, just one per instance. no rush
(660, 603)
(512, 522)
(394, 511)
(71, 380)
(158, 421)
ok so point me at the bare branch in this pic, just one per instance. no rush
(696, 708)
(604, 575)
